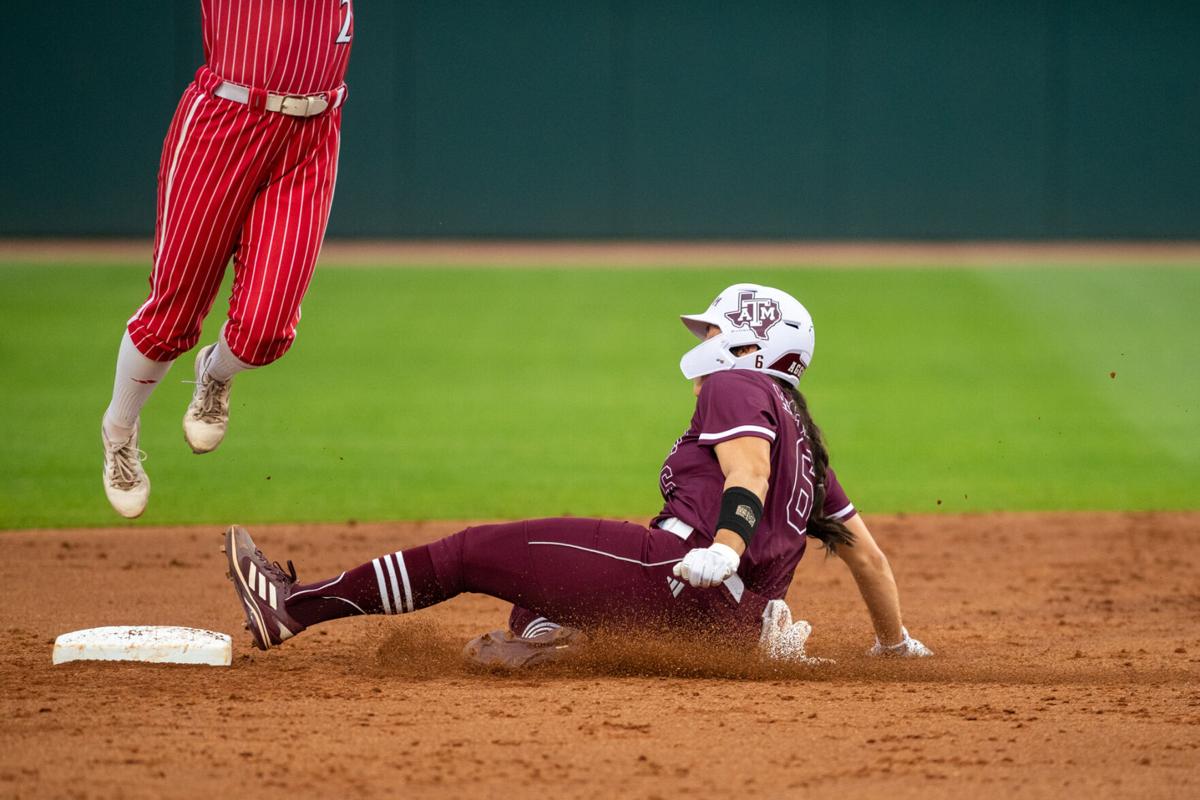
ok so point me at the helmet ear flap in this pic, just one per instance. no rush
(711, 355)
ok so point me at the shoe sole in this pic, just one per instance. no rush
(123, 515)
(199, 452)
(140, 511)
(234, 573)
(499, 650)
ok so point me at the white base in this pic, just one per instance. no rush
(154, 644)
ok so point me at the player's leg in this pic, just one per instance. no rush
(126, 483)
(581, 572)
(586, 573)
(277, 252)
(529, 624)
(205, 183)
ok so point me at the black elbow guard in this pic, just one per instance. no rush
(740, 512)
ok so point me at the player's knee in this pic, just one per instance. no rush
(259, 348)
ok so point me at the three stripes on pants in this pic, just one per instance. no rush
(395, 591)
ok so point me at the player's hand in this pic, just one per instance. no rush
(907, 648)
(706, 567)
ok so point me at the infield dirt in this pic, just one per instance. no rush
(1068, 664)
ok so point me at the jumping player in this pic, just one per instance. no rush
(743, 489)
(247, 172)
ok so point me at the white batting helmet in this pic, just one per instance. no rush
(747, 313)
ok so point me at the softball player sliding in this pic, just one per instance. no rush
(743, 489)
(247, 172)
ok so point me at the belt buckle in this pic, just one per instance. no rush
(301, 105)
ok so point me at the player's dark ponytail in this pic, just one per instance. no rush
(830, 532)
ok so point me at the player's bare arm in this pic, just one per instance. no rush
(746, 462)
(873, 574)
(877, 584)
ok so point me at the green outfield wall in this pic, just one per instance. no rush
(837, 119)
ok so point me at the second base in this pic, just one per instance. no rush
(154, 644)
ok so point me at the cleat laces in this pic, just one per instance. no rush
(126, 473)
(274, 570)
(212, 403)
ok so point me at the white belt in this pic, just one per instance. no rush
(293, 105)
(676, 526)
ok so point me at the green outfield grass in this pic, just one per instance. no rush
(489, 393)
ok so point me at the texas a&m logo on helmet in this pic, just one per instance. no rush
(758, 314)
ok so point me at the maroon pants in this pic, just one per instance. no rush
(591, 573)
(584, 573)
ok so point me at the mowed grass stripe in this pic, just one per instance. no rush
(486, 393)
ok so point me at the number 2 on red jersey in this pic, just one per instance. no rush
(343, 36)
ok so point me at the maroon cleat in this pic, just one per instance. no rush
(263, 587)
(507, 651)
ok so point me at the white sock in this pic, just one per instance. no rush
(222, 363)
(136, 378)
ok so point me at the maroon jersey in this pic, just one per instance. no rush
(283, 46)
(739, 403)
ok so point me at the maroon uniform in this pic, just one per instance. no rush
(743, 403)
(240, 179)
(588, 573)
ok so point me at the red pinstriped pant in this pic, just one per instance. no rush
(242, 183)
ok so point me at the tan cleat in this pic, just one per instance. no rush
(125, 481)
(207, 416)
